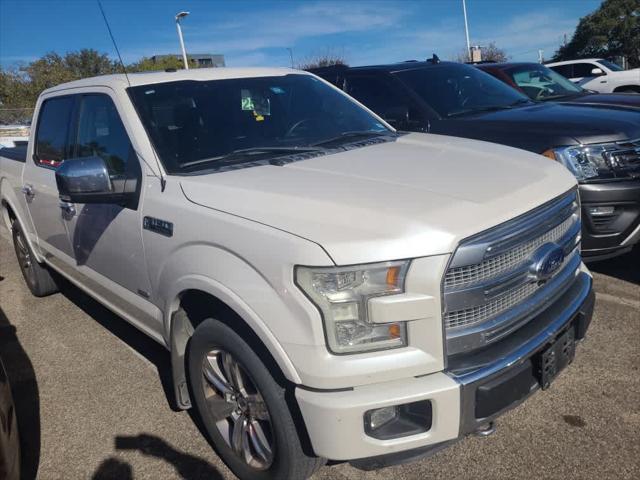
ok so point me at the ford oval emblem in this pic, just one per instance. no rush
(546, 261)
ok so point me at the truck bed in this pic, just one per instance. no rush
(18, 153)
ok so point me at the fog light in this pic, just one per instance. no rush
(380, 416)
(601, 211)
(399, 420)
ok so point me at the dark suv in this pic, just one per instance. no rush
(600, 146)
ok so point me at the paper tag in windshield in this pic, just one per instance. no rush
(256, 102)
(247, 102)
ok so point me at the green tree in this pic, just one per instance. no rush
(612, 30)
(161, 63)
(20, 87)
(325, 58)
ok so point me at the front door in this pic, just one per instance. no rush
(106, 239)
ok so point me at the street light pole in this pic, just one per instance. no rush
(466, 29)
(291, 56)
(184, 52)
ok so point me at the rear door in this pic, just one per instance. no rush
(50, 148)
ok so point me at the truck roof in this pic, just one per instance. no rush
(198, 74)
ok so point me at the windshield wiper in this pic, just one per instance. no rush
(355, 133)
(520, 101)
(489, 108)
(245, 154)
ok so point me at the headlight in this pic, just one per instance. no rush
(584, 161)
(342, 293)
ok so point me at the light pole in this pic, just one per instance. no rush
(184, 52)
(466, 29)
(291, 56)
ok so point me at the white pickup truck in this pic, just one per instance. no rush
(328, 288)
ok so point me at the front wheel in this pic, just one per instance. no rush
(243, 407)
(629, 89)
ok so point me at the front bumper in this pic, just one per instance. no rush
(471, 392)
(609, 235)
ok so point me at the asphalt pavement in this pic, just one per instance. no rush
(91, 395)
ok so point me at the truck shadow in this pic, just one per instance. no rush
(625, 267)
(24, 388)
(188, 467)
(127, 333)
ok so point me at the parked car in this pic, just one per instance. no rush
(599, 75)
(601, 147)
(542, 84)
(9, 439)
(328, 288)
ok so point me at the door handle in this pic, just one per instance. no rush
(27, 191)
(68, 209)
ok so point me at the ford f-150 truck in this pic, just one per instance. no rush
(327, 287)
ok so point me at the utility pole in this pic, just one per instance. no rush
(466, 29)
(290, 55)
(184, 52)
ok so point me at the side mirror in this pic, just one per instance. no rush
(397, 117)
(87, 180)
(596, 72)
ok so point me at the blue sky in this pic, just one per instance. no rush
(259, 32)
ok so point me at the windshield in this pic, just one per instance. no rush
(614, 67)
(542, 83)
(198, 125)
(456, 89)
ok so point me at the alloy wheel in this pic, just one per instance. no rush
(240, 412)
(24, 256)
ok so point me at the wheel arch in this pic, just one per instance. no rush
(198, 298)
(9, 214)
(627, 88)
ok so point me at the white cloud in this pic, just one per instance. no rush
(261, 37)
(284, 28)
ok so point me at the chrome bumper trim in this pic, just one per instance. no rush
(561, 314)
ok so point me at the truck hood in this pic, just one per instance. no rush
(627, 100)
(413, 197)
(633, 74)
(542, 126)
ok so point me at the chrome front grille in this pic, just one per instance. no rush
(473, 315)
(624, 157)
(505, 262)
(491, 274)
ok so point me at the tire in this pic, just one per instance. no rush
(627, 90)
(37, 277)
(222, 365)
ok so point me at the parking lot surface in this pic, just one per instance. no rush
(91, 394)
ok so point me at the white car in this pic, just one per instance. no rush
(327, 287)
(598, 74)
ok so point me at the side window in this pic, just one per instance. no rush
(102, 134)
(381, 97)
(375, 93)
(583, 69)
(564, 70)
(53, 131)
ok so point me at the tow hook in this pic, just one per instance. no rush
(485, 429)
